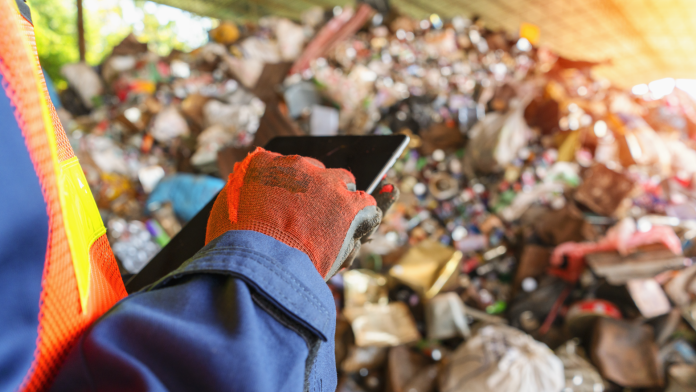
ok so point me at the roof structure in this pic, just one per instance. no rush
(644, 39)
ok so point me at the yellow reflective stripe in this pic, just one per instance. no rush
(81, 219)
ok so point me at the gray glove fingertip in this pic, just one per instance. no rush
(365, 222)
(386, 195)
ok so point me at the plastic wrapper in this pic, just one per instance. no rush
(646, 146)
(500, 358)
(382, 325)
(159, 236)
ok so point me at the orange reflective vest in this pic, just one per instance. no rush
(80, 279)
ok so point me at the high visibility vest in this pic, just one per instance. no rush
(80, 279)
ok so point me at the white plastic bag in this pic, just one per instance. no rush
(169, 124)
(210, 141)
(496, 140)
(501, 358)
(84, 80)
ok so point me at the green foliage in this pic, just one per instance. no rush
(104, 29)
(56, 35)
(162, 38)
(55, 27)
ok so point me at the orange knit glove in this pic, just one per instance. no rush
(299, 202)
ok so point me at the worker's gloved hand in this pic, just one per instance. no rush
(299, 202)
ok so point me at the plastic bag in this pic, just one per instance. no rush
(263, 50)
(245, 70)
(210, 142)
(291, 39)
(109, 157)
(84, 80)
(169, 124)
(580, 375)
(239, 116)
(483, 140)
(501, 358)
(188, 193)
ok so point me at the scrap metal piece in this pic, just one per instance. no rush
(427, 267)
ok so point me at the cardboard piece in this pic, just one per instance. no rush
(626, 353)
(603, 190)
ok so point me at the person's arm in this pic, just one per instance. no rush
(242, 315)
(251, 311)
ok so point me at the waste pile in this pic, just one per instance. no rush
(544, 236)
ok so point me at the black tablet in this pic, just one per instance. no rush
(367, 157)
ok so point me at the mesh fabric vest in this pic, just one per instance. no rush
(80, 279)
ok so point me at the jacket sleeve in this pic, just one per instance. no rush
(212, 325)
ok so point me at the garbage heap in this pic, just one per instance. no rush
(543, 240)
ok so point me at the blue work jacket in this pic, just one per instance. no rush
(246, 313)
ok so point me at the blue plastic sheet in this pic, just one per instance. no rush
(188, 193)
